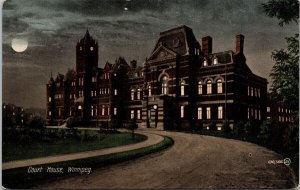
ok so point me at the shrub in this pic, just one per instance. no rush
(25, 140)
(37, 122)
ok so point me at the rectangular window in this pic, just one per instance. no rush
(200, 90)
(149, 91)
(49, 99)
(103, 110)
(108, 110)
(248, 113)
(132, 95)
(181, 111)
(199, 112)
(182, 90)
(209, 91)
(115, 111)
(94, 79)
(208, 113)
(268, 109)
(138, 96)
(258, 92)
(220, 112)
(138, 114)
(59, 112)
(259, 115)
(255, 113)
(92, 111)
(70, 112)
(49, 113)
(219, 87)
(132, 114)
(115, 92)
(251, 91)
(248, 90)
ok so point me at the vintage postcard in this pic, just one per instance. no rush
(150, 94)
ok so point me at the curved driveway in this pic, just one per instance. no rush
(194, 161)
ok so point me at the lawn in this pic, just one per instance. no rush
(16, 151)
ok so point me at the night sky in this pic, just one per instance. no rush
(127, 28)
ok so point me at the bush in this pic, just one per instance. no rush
(25, 140)
(212, 126)
(37, 122)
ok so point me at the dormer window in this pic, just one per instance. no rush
(205, 63)
(215, 61)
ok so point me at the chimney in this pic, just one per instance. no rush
(207, 45)
(133, 64)
(240, 43)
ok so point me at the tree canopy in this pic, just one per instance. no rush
(286, 11)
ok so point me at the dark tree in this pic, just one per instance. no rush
(286, 11)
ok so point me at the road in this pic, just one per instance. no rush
(194, 161)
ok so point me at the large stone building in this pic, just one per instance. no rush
(182, 84)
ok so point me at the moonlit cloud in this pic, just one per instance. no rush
(53, 27)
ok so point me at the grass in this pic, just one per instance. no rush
(26, 180)
(17, 151)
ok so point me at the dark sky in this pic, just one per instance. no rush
(127, 28)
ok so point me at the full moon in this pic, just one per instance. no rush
(19, 45)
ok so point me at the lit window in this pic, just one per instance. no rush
(138, 96)
(94, 79)
(132, 114)
(255, 113)
(103, 110)
(215, 61)
(259, 115)
(209, 90)
(219, 86)
(164, 85)
(59, 112)
(248, 90)
(149, 91)
(138, 114)
(181, 111)
(115, 92)
(205, 63)
(200, 88)
(199, 112)
(278, 109)
(92, 111)
(220, 112)
(208, 113)
(132, 94)
(251, 91)
(248, 113)
(268, 109)
(115, 111)
(108, 110)
(48, 98)
(49, 113)
(182, 88)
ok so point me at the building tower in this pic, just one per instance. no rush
(86, 68)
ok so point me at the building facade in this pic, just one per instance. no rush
(182, 84)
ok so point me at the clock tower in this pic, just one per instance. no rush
(86, 68)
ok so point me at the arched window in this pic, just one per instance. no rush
(182, 88)
(215, 61)
(209, 90)
(164, 85)
(219, 86)
(200, 88)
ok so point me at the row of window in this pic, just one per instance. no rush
(283, 110)
(252, 91)
(254, 113)
(200, 115)
(57, 96)
(135, 114)
(215, 62)
(138, 94)
(105, 110)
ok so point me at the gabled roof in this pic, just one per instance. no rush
(162, 48)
